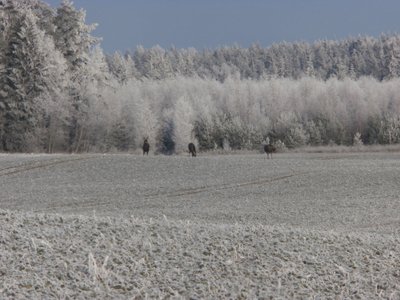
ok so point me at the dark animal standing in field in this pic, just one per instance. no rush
(146, 147)
(269, 149)
(192, 149)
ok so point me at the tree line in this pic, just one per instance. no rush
(352, 57)
(59, 92)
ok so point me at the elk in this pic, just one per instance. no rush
(269, 149)
(146, 147)
(192, 149)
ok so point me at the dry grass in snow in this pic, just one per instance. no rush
(46, 256)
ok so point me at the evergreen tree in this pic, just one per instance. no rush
(32, 69)
(72, 36)
(118, 67)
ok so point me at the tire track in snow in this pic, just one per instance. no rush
(75, 205)
(188, 192)
(180, 193)
(37, 165)
(174, 194)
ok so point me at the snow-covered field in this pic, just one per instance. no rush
(308, 226)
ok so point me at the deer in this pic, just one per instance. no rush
(146, 147)
(192, 149)
(269, 149)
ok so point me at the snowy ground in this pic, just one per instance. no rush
(120, 226)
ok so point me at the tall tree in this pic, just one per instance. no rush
(33, 69)
(73, 39)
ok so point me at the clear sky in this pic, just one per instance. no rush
(125, 24)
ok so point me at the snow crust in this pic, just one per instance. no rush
(320, 226)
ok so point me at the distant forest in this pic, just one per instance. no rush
(351, 58)
(59, 92)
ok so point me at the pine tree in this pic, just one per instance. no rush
(117, 66)
(32, 69)
(393, 57)
(72, 36)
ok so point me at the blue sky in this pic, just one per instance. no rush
(125, 24)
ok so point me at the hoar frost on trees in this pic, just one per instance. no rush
(349, 58)
(122, 68)
(59, 92)
(183, 121)
(72, 37)
(246, 115)
(34, 81)
(130, 115)
(146, 123)
(357, 141)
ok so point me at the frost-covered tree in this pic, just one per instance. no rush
(153, 63)
(357, 141)
(146, 123)
(352, 57)
(289, 129)
(73, 39)
(122, 67)
(315, 133)
(94, 85)
(119, 67)
(34, 74)
(165, 137)
(183, 120)
(72, 36)
(59, 92)
(389, 131)
(393, 56)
